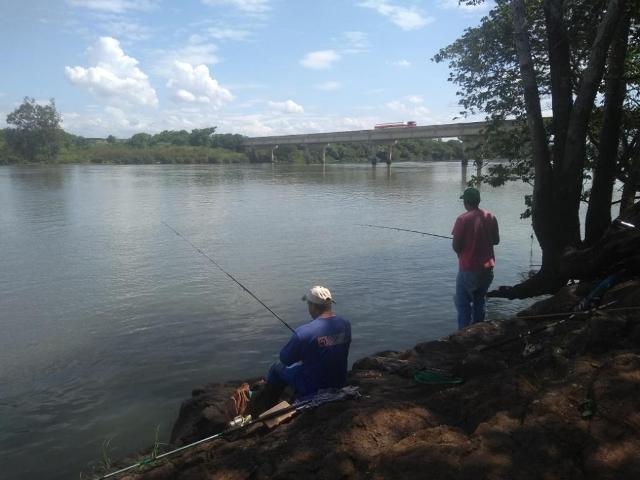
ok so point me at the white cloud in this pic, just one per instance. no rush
(195, 85)
(354, 42)
(114, 6)
(249, 6)
(320, 60)
(288, 106)
(114, 75)
(225, 33)
(110, 121)
(402, 63)
(329, 86)
(407, 18)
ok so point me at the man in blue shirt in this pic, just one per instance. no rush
(315, 357)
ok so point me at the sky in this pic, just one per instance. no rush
(254, 67)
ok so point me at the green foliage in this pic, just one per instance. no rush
(111, 139)
(7, 155)
(201, 137)
(140, 140)
(230, 141)
(171, 137)
(34, 133)
(484, 65)
(124, 153)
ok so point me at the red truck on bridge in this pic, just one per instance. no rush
(409, 124)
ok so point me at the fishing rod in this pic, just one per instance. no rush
(349, 392)
(227, 274)
(568, 316)
(148, 461)
(405, 230)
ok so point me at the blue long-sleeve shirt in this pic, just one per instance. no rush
(322, 348)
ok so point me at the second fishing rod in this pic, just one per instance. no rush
(228, 274)
(405, 230)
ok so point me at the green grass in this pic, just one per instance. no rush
(165, 154)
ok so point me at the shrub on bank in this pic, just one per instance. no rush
(164, 154)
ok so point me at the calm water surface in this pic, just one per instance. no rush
(108, 319)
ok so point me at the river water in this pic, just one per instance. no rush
(108, 319)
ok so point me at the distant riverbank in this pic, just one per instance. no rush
(212, 148)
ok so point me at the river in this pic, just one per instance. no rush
(108, 319)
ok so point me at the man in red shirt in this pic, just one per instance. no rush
(474, 235)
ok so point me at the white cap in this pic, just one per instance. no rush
(318, 295)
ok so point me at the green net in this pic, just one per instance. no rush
(429, 377)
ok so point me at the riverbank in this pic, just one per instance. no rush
(559, 403)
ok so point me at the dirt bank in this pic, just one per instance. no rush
(561, 403)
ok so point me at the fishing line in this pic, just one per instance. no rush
(405, 230)
(227, 274)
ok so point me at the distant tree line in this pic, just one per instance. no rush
(35, 135)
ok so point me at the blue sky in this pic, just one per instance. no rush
(256, 67)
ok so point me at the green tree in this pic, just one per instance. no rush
(523, 54)
(34, 131)
(140, 140)
(201, 137)
(171, 137)
(229, 141)
(111, 139)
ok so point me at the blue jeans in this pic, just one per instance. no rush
(281, 376)
(471, 290)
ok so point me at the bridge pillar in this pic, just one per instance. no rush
(372, 152)
(390, 157)
(324, 153)
(273, 154)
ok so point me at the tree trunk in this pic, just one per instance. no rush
(542, 208)
(569, 180)
(560, 73)
(629, 173)
(557, 189)
(599, 211)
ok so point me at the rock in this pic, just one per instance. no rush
(204, 413)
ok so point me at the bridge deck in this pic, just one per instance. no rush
(376, 135)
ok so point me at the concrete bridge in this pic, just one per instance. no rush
(382, 136)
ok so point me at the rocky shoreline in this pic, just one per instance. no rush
(562, 402)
